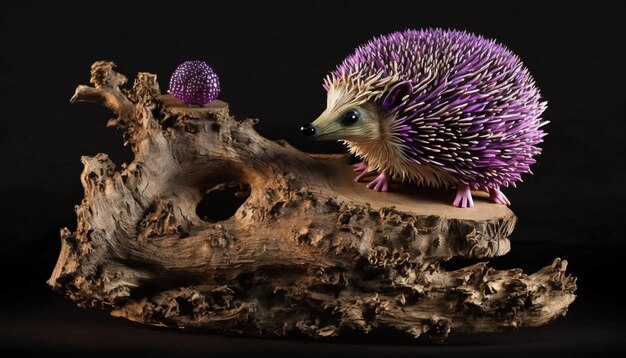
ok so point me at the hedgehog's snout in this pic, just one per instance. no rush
(307, 129)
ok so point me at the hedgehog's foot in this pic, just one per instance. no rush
(497, 196)
(463, 197)
(360, 167)
(381, 183)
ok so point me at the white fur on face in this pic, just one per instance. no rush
(329, 126)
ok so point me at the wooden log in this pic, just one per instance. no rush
(309, 250)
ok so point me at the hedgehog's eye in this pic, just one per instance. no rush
(350, 118)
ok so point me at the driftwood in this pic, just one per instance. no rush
(309, 250)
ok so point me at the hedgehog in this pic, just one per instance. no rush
(435, 107)
(194, 82)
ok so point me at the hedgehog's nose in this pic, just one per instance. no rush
(307, 129)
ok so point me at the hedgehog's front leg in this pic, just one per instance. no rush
(361, 167)
(381, 183)
(463, 197)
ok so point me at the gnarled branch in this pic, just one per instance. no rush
(308, 251)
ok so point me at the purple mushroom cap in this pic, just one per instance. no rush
(194, 82)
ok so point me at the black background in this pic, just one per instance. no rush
(271, 60)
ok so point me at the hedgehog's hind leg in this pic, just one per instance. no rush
(497, 196)
(381, 183)
(463, 197)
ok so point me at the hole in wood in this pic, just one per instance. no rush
(222, 201)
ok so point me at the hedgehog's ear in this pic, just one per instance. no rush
(394, 96)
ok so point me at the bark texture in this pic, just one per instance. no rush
(309, 250)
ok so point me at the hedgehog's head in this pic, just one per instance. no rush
(345, 118)
(356, 113)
